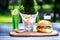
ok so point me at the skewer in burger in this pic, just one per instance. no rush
(44, 26)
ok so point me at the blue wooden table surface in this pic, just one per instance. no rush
(6, 28)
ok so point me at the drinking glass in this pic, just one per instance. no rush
(28, 21)
(15, 17)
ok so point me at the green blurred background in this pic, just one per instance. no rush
(42, 6)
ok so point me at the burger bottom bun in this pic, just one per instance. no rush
(44, 30)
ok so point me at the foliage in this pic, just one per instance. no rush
(28, 6)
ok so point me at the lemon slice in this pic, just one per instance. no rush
(14, 12)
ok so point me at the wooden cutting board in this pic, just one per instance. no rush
(34, 33)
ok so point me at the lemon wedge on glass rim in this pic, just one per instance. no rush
(14, 12)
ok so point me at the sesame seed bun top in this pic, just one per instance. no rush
(43, 23)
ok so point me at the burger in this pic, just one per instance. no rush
(44, 26)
